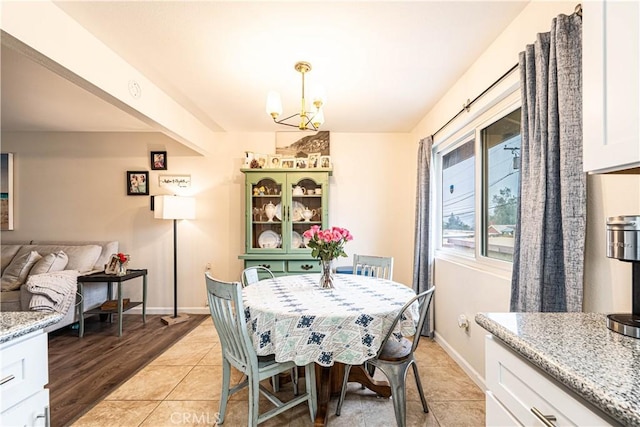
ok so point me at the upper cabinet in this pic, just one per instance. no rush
(281, 206)
(611, 88)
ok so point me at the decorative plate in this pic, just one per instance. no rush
(296, 240)
(269, 239)
(296, 209)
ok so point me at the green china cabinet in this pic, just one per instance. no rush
(280, 205)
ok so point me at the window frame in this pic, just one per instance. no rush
(498, 103)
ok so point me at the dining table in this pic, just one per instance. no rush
(295, 319)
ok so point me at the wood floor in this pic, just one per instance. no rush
(82, 371)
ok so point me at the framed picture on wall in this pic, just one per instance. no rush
(6, 182)
(159, 160)
(137, 183)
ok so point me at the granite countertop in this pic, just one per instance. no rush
(14, 324)
(578, 350)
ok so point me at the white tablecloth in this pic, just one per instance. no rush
(295, 319)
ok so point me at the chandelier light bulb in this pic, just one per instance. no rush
(318, 119)
(274, 104)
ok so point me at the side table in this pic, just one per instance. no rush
(110, 279)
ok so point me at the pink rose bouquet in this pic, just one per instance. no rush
(327, 244)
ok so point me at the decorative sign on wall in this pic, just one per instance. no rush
(174, 182)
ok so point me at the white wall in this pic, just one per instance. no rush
(71, 186)
(464, 290)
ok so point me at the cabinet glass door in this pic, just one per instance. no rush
(266, 213)
(307, 207)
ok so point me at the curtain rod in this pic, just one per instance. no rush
(468, 104)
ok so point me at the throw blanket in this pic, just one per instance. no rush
(53, 291)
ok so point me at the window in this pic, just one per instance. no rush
(501, 183)
(479, 173)
(458, 198)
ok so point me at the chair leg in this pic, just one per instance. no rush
(294, 379)
(425, 408)
(396, 375)
(224, 396)
(254, 400)
(275, 383)
(345, 380)
(310, 377)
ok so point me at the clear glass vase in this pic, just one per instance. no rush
(122, 269)
(326, 278)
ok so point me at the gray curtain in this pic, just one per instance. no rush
(423, 257)
(550, 237)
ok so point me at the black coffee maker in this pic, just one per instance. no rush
(623, 238)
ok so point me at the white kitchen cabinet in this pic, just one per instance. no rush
(24, 372)
(611, 85)
(516, 390)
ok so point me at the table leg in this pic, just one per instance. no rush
(81, 310)
(323, 378)
(110, 297)
(358, 374)
(144, 298)
(119, 309)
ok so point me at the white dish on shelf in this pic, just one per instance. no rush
(296, 215)
(269, 239)
(296, 240)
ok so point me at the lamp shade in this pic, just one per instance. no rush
(174, 207)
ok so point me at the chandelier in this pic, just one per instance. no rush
(308, 119)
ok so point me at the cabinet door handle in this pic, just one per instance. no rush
(266, 266)
(46, 416)
(7, 379)
(306, 267)
(546, 419)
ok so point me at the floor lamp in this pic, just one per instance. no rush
(175, 208)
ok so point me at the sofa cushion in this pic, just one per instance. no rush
(8, 253)
(55, 261)
(108, 248)
(18, 269)
(10, 301)
(81, 257)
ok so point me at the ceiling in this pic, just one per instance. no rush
(383, 65)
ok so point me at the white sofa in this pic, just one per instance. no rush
(83, 257)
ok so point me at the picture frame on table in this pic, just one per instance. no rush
(137, 183)
(302, 163)
(324, 162)
(159, 160)
(112, 265)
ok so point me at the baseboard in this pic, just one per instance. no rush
(466, 367)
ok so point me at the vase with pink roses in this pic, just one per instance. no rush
(327, 245)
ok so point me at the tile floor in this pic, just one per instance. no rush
(181, 387)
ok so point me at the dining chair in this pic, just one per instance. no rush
(227, 312)
(251, 275)
(394, 358)
(373, 266)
